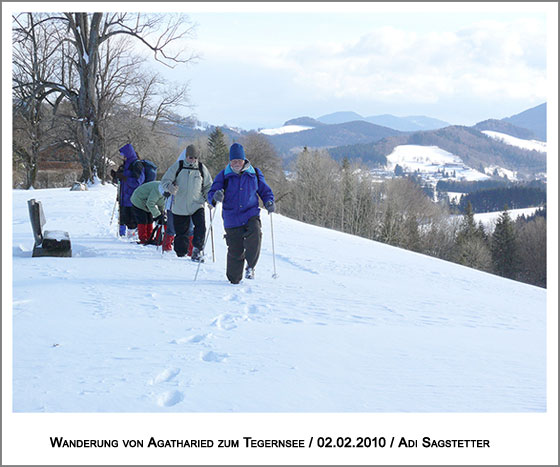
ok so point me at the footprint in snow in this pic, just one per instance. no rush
(213, 356)
(225, 322)
(170, 398)
(166, 375)
(192, 339)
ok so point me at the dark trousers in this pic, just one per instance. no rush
(244, 244)
(141, 216)
(127, 217)
(171, 227)
(181, 225)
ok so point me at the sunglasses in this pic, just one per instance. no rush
(192, 158)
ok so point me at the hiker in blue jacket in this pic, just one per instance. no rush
(239, 187)
(131, 177)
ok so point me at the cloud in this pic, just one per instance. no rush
(491, 60)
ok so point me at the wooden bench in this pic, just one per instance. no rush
(49, 242)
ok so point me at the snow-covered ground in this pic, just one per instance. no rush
(350, 326)
(532, 145)
(284, 129)
(489, 219)
(429, 160)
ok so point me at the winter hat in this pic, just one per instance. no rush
(191, 152)
(236, 152)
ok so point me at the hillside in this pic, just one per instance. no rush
(376, 329)
(331, 135)
(475, 149)
(533, 119)
(502, 126)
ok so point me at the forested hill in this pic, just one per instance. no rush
(473, 147)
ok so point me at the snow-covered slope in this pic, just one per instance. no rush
(531, 145)
(284, 129)
(350, 325)
(430, 160)
(489, 219)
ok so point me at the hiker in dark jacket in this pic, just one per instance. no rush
(188, 184)
(239, 187)
(131, 177)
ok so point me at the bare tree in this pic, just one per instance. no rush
(33, 62)
(81, 36)
(157, 100)
(263, 155)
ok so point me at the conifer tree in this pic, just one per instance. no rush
(471, 247)
(218, 152)
(505, 256)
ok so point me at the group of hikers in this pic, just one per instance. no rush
(176, 205)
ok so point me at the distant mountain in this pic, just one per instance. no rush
(330, 135)
(340, 117)
(412, 123)
(304, 121)
(533, 119)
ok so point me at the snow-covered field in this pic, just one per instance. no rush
(430, 160)
(531, 145)
(284, 129)
(350, 326)
(489, 219)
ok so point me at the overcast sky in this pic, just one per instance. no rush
(259, 69)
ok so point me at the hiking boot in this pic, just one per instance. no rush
(197, 255)
(250, 273)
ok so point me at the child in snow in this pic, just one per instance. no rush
(237, 187)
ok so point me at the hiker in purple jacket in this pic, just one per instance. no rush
(130, 177)
(239, 187)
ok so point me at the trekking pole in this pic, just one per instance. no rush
(212, 237)
(274, 276)
(114, 208)
(116, 201)
(161, 236)
(203, 245)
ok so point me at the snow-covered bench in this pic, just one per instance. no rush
(49, 242)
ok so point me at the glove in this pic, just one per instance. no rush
(118, 175)
(161, 219)
(270, 206)
(173, 189)
(218, 196)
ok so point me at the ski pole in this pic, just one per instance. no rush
(116, 201)
(161, 236)
(203, 245)
(114, 207)
(212, 237)
(274, 276)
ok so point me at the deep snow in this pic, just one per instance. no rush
(349, 326)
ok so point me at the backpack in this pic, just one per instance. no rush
(181, 167)
(150, 170)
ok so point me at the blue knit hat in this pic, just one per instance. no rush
(236, 152)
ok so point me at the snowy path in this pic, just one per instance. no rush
(350, 325)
